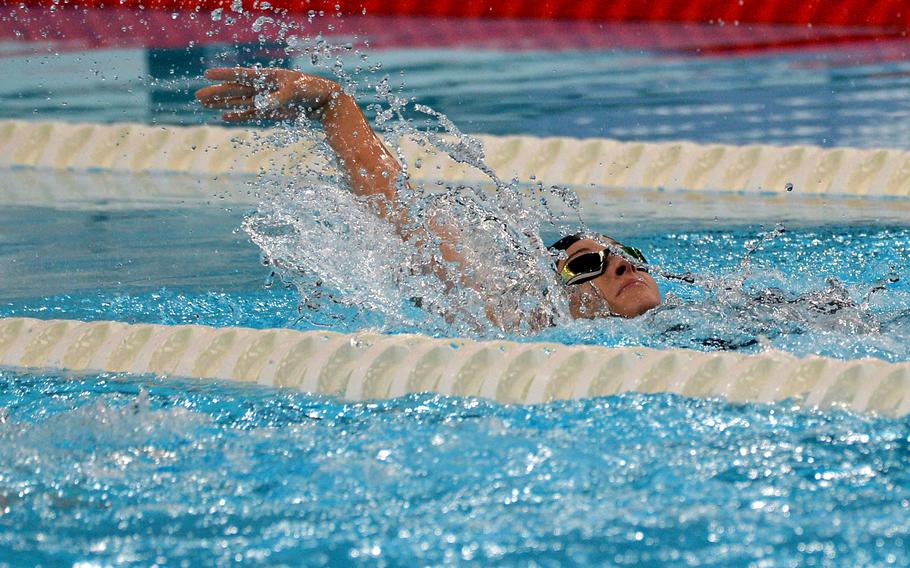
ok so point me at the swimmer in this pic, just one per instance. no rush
(603, 277)
(618, 284)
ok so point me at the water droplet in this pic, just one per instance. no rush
(264, 101)
(261, 21)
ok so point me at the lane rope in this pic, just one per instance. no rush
(371, 366)
(591, 162)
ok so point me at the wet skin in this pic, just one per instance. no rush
(622, 290)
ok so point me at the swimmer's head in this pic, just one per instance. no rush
(604, 284)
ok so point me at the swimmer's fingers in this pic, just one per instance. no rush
(226, 95)
(239, 102)
(267, 93)
(240, 115)
(229, 102)
(232, 94)
(259, 78)
(223, 91)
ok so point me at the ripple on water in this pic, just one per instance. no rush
(107, 469)
(842, 292)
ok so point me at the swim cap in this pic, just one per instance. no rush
(565, 242)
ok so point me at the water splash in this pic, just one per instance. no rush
(327, 242)
(323, 241)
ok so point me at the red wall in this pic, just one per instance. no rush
(890, 13)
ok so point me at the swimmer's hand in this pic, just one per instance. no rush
(275, 94)
(253, 93)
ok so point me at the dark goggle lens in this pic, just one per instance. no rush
(593, 261)
(586, 263)
(635, 253)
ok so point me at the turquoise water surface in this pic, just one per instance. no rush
(733, 84)
(105, 469)
(810, 290)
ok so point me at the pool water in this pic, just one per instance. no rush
(97, 470)
(809, 290)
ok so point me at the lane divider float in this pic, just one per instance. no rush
(365, 365)
(588, 162)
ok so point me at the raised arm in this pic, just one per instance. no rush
(246, 94)
(250, 94)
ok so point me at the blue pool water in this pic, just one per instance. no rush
(104, 469)
(108, 469)
(177, 266)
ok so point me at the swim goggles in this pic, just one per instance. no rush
(590, 265)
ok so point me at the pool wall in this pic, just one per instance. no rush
(890, 13)
(368, 365)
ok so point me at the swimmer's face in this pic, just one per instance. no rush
(622, 290)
